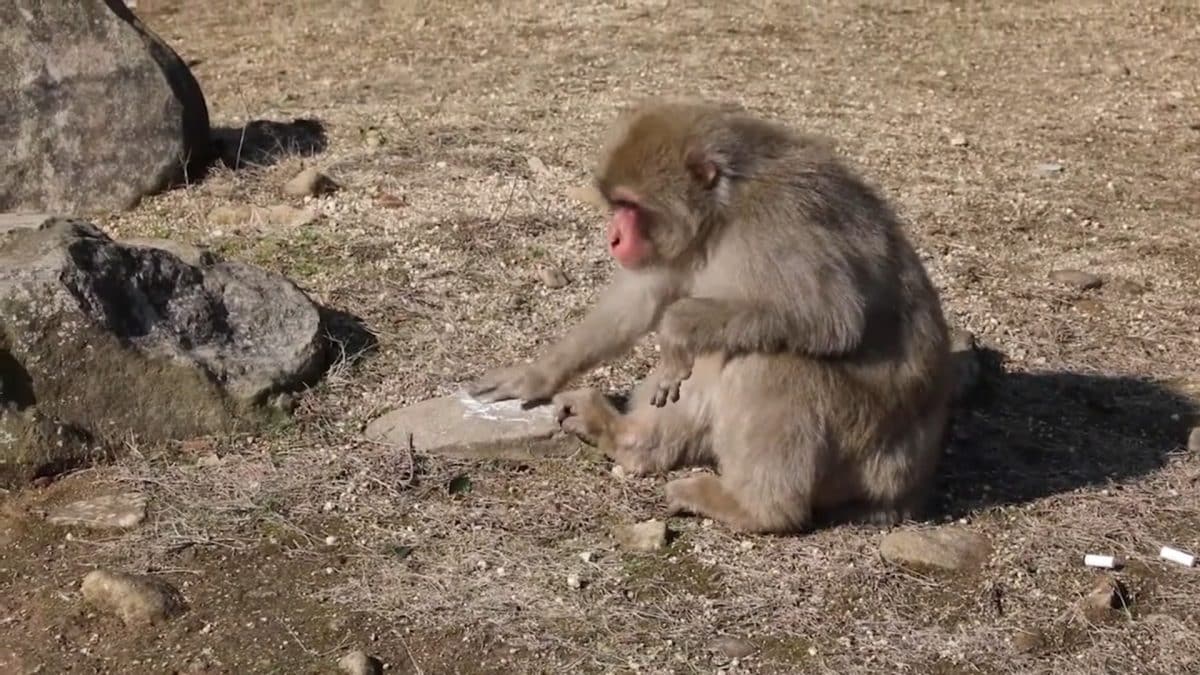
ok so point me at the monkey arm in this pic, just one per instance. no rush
(714, 325)
(628, 309)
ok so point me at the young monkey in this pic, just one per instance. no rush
(805, 353)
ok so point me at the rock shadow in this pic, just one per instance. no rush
(348, 339)
(16, 386)
(1024, 436)
(262, 143)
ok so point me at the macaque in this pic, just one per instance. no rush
(804, 353)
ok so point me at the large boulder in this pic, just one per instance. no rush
(96, 110)
(106, 339)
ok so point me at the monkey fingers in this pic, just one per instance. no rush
(587, 414)
(676, 367)
(524, 382)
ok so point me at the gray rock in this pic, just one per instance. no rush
(650, 535)
(1079, 279)
(33, 445)
(947, 548)
(1193, 443)
(360, 663)
(120, 339)
(461, 426)
(137, 599)
(106, 512)
(96, 111)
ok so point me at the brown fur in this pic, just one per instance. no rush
(805, 352)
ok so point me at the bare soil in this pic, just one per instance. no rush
(297, 545)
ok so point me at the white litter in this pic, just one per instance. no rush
(1177, 556)
(1105, 561)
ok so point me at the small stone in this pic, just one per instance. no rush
(309, 183)
(537, 166)
(958, 141)
(1193, 444)
(1027, 641)
(1116, 69)
(1081, 280)
(208, 460)
(330, 540)
(138, 600)
(617, 471)
(949, 548)
(1049, 169)
(731, 647)
(573, 581)
(285, 215)
(746, 545)
(1108, 593)
(650, 535)
(107, 512)
(552, 277)
(360, 663)
(228, 215)
(586, 556)
(590, 196)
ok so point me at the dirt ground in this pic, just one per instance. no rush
(301, 544)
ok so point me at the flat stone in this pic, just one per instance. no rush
(22, 221)
(461, 426)
(107, 512)
(1194, 440)
(650, 535)
(137, 599)
(731, 647)
(1079, 279)
(948, 548)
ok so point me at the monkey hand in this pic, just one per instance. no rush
(675, 368)
(527, 382)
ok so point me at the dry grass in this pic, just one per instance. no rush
(431, 112)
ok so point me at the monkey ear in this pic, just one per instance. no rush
(703, 169)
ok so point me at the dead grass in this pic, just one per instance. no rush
(434, 241)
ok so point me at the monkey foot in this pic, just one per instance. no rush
(585, 413)
(705, 496)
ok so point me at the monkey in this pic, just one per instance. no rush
(804, 352)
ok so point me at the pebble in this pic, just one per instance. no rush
(537, 166)
(309, 183)
(1078, 278)
(587, 195)
(1193, 444)
(958, 141)
(330, 540)
(586, 556)
(731, 647)
(1027, 641)
(552, 277)
(360, 663)
(573, 581)
(138, 600)
(650, 535)
(106, 512)
(1049, 169)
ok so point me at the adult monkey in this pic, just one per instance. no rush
(809, 341)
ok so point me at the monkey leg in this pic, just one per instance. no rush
(706, 496)
(646, 440)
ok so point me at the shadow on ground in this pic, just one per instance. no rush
(349, 338)
(264, 142)
(1023, 436)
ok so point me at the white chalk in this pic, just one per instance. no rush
(1105, 561)
(1177, 556)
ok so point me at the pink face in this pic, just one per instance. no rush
(626, 234)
